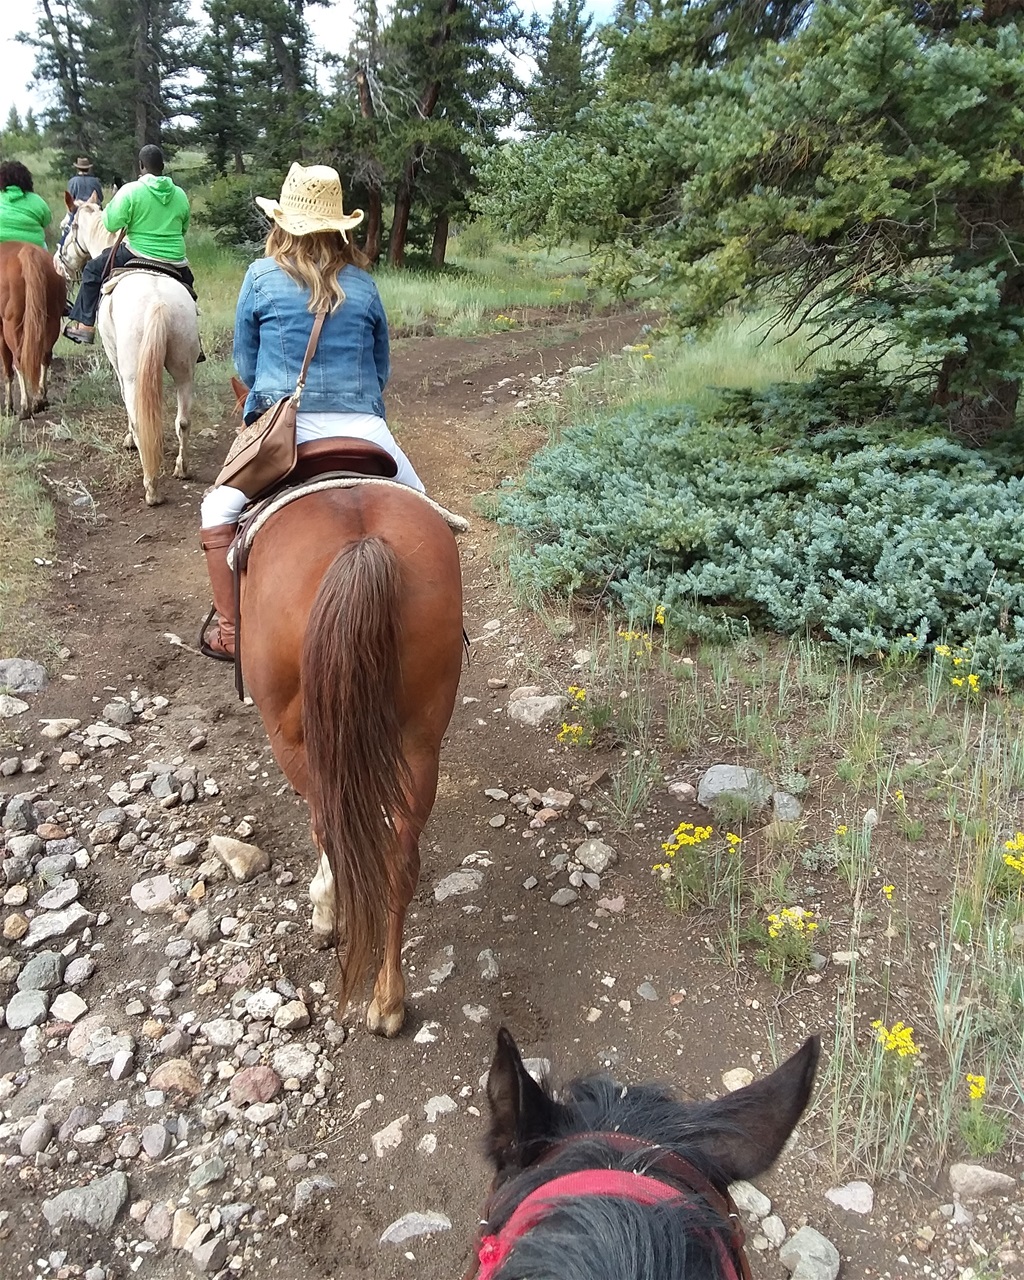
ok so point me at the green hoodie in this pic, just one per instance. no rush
(155, 215)
(23, 215)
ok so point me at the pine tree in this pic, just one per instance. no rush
(13, 128)
(223, 108)
(567, 61)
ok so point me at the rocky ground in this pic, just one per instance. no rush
(179, 1093)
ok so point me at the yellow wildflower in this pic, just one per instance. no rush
(1016, 863)
(976, 1085)
(956, 681)
(898, 1039)
(733, 840)
(577, 694)
(571, 733)
(842, 829)
(973, 682)
(888, 890)
(1016, 845)
(943, 650)
(795, 919)
(659, 616)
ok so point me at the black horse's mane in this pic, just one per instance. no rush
(604, 1238)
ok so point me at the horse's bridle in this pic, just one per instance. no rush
(72, 234)
(492, 1250)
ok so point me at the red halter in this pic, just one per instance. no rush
(493, 1250)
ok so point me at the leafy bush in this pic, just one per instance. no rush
(800, 507)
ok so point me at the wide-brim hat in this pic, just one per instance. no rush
(311, 200)
(83, 162)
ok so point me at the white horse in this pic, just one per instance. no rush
(147, 323)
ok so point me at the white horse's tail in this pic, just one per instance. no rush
(33, 333)
(149, 389)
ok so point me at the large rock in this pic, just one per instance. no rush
(458, 882)
(243, 860)
(10, 707)
(537, 711)
(733, 780)
(27, 1009)
(751, 1202)
(854, 1197)
(156, 895)
(786, 808)
(294, 1062)
(58, 924)
(176, 1075)
(809, 1256)
(596, 856)
(96, 1205)
(20, 816)
(43, 972)
(972, 1181)
(22, 675)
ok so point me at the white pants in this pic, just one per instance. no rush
(225, 504)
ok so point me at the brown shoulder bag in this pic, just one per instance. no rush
(264, 452)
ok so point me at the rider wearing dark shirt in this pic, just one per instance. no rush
(83, 183)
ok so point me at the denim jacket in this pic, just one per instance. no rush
(272, 326)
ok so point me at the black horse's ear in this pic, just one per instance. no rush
(743, 1133)
(522, 1114)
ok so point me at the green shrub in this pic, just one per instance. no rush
(231, 209)
(838, 507)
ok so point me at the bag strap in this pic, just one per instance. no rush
(307, 359)
(109, 266)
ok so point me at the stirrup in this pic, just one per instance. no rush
(84, 339)
(218, 654)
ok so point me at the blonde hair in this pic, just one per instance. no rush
(314, 261)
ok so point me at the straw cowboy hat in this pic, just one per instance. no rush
(311, 200)
(83, 163)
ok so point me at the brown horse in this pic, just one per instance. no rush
(351, 644)
(32, 298)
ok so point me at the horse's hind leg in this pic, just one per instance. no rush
(26, 396)
(386, 1012)
(181, 425)
(321, 894)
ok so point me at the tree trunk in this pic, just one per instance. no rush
(371, 244)
(403, 207)
(440, 245)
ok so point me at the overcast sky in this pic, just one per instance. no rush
(331, 25)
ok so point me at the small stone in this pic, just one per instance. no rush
(62, 896)
(309, 1187)
(855, 1197)
(810, 1256)
(496, 793)
(737, 1078)
(458, 882)
(156, 895)
(27, 1009)
(411, 1225)
(224, 1033)
(785, 807)
(43, 972)
(209, 1172)
(294, 1062)
(497, 821)
(439, 1105)
(121, 1064)
(747, 785)
(254, 1085)
(156, 1141)
(54, 729)
(10, 707)
(176, 1075)
(211, 1254)
(96, 1205)
(22, 675)
(564, 897)
(488, 965)
(201, 928)
(292, 1016)
(264, 1004)
(182, 1226)
(774, 1230)
(973, 1181)
(90, 1135)
(37, 1137)
(15, 927)
(244, 861)
(596, 856)
(752, 1203)
(79, 970)
(68, 1007)
(388, 1138)
(537, 710)
(684, 791)
(646, 991)
(157, 1226)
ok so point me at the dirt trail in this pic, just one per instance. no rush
(581, 985)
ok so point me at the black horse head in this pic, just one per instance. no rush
(585, 1228)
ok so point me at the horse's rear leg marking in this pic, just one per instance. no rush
(181, 425)
(321, 893)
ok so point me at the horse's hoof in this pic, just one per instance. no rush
(153, 500)
(384, 1025)
(180, 473)
(323, 939)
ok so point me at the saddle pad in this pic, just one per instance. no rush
(120, 273)
(458, 524)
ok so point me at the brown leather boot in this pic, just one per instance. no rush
(220, 642)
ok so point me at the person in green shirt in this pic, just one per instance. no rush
(23, 214)
(154, 214)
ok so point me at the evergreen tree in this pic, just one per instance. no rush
(117, 67)
(567, 60)
(13, 129)
(866, 175)
(223, 108)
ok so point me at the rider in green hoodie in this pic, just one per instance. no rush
(23, 214)
(154, 213)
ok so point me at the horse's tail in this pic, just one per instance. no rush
(351, 671)
(33, 331)
(149, 388)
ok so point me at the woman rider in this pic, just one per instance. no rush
(23, 214)
(310, 264)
